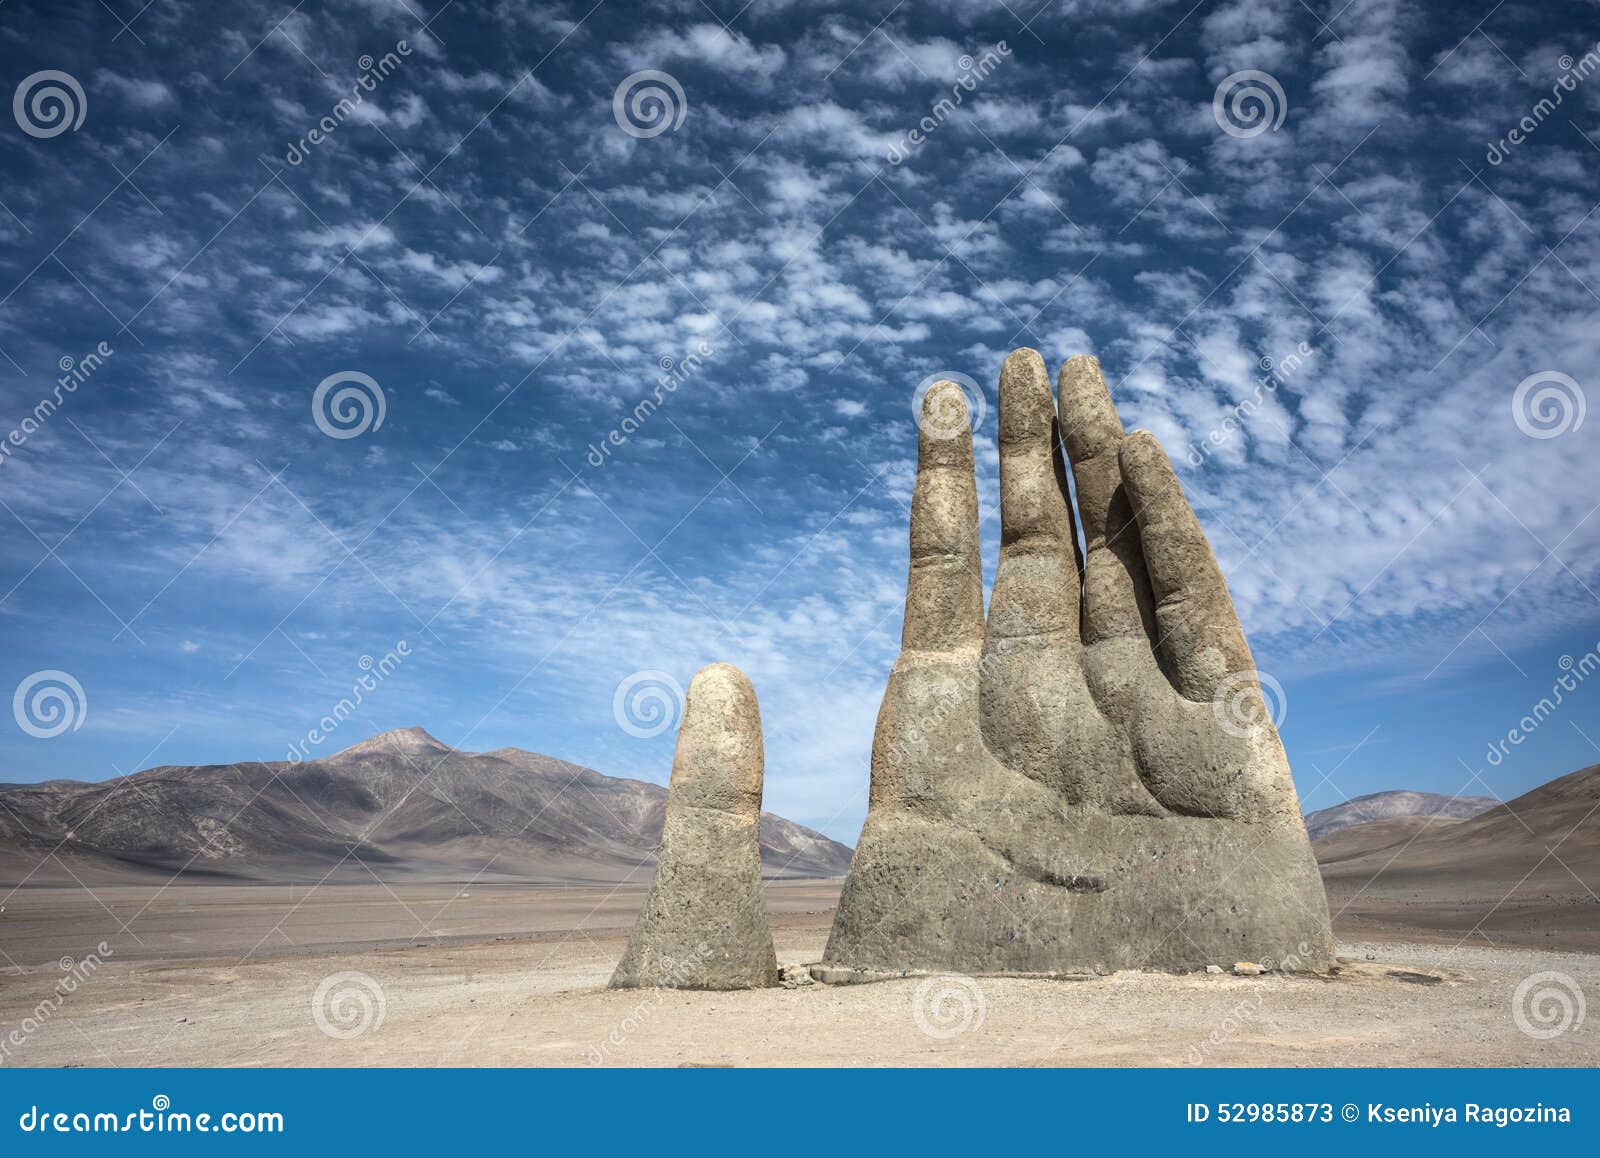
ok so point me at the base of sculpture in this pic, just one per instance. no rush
(840, 975)
(1125, 892)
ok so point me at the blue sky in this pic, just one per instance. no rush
(516, 264)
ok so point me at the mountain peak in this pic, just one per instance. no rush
(511, 815)
(397, 741)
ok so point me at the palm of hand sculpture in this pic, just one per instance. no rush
(1089, 780)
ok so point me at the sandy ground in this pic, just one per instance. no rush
(515, 976)
(1532, 917)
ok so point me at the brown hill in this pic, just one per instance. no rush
(1383, 805)
(400, 805)
(1358, 840)
(1526, 872)
(1546, 832)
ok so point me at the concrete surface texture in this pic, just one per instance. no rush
(1089, 778)
(704, 922)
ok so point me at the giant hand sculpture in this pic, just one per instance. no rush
(1089, 780)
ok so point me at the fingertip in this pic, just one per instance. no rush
(1089, 422)
(944, 426)
(1146, 469)
(720, 676)
(718, 759)
(1023, 359)
(1138, 446)
(1026, 408)
(944, 400)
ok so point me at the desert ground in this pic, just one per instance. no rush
(515, 975)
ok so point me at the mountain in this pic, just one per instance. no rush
(1383, 805)
(1358, 840)
(398, 805)
(1547, 839)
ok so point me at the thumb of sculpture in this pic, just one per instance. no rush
(704, 921)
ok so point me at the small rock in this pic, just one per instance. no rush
(794, 976)
(1213, 968)
(1416, 978)
(1247, 969)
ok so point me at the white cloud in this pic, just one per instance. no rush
(139, 92)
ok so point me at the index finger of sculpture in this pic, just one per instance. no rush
(944, 591)
(1200, 636)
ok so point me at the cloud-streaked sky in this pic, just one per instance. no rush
(1326, 322)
